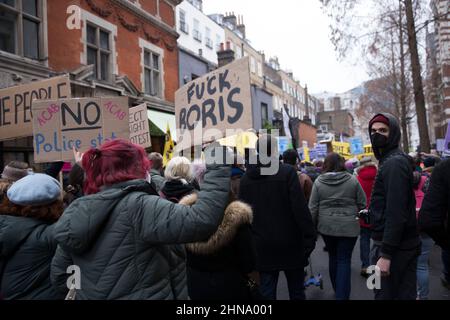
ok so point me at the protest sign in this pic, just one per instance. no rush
(60, 125)
(15, 104)
(356, 146)
(446, 151)
(284, 143)
(219, 100)
(440, 145)
(139, 128)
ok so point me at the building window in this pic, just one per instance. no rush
(152, 73)
(196, 33)
(208, 40)
(260, 72)
(264, 113)
(218, 42)
(21, 29)
(99, 51)
(183, 25)
(252, 65)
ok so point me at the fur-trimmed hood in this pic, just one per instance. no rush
(236, 214)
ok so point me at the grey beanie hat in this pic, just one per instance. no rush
(34, 190)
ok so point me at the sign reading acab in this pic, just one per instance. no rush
(60, 125)
(15, 104)
(219, 100)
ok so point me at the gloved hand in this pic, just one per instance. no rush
(217, 155)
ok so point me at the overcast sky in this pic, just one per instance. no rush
(297, 31)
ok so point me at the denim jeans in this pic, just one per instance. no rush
(295, 280)
(364, 247)
(422, 267)
(340, 251)
(446, 263)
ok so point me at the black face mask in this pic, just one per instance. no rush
(379, 140)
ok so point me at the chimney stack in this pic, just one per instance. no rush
(241, 26)
(230, 18)
(225, 56)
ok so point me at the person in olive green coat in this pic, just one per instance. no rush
(336, 199)
(121, 235)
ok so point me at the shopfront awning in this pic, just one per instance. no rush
(161, 119)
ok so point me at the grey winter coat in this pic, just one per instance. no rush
(335, 201)
(122, 238)
(157, 179)
(27, 247)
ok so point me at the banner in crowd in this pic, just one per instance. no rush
(169, 147)
(219, 100)
(60, 125)
(342, 148)
(284, 143)
(15, 104)
(440, 145)
(447, 142)
(139, 128)
(356, 146)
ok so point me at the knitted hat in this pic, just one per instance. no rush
(379, 118)
(34, 190)
(15, 171)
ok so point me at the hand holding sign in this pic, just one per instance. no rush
(78, 156)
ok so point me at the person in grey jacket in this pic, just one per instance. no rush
(336, 199)
(121, 235)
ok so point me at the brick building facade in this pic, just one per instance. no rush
(108, 47)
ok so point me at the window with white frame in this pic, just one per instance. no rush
(99, 51)
(252, 65)
(21, 28)
(260, 72)
(218, 41)
(183, 24)
(152, 73)
(196, 33)
(208, 40)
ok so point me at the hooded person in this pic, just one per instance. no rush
(392, 210)
(27, 242)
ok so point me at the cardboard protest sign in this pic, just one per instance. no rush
(60, 125)
(15, 104)
(139, 128)
(220, 99)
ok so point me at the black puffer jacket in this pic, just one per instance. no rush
(122, 239)
(27, 247)
(283, 229)
(393, 204)
(434, 217)
(217, 267)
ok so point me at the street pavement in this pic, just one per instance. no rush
(359, 291)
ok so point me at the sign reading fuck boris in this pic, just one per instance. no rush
(84, 123)
(217, 101)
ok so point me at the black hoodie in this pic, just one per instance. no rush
(283, 230)
(392, 206)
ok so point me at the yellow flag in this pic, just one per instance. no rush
(168, 147)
